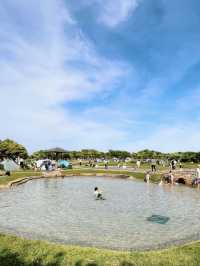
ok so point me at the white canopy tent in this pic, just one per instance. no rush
(10, 165)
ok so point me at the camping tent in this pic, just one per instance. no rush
(63, 163)
(41, 164)
(10, 165)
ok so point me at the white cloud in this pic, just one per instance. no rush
(114, 12)
(44, 64)
(168, 138)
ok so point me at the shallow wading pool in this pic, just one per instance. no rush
(64, 210)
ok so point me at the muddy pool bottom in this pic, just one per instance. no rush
(134, 216)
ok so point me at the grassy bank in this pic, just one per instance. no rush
(16, 251)
(144, 166)
(4, 180)
(154, 177)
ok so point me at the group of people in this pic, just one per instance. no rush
(167, 178)
(153, 162)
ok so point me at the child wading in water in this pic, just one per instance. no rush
(147, 178)
(98, 193)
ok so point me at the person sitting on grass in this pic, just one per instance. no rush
(98, 193)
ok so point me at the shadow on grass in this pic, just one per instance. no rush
(126, 263)
(8, 258)
(81, 263)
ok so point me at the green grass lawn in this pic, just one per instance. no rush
(154, 177)
(4, 180)
(15, 251)
(144, 166)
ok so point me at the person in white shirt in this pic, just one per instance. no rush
(98, 193)
(138, 164)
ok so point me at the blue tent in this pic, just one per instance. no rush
(63, 163)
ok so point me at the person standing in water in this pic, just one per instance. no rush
(198, 177)
(172, 178)
(98, 193)
(147, 178)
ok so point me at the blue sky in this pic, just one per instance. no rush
(115, 74)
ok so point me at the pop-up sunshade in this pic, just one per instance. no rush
(159, 219)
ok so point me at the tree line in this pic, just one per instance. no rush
(11, 149)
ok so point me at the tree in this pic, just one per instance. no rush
(90, 154)
(149, 154)
(118, 154)
(189, 156)
(11, 149)
(39, 155)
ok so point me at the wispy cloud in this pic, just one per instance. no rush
(42, 70)
(114, 12)
(171, 138)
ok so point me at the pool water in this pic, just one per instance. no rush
(65, 210)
